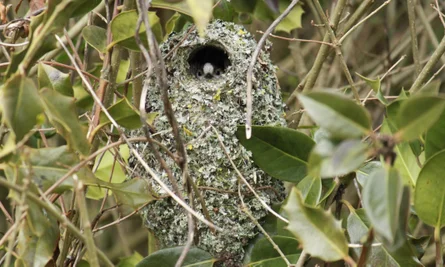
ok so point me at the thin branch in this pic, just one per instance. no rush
(252, 65)
(413, 32)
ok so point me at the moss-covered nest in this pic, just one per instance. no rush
(220, 101)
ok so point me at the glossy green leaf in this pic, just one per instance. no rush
(382, 198)
(364, 171)
(291, 21)
(167, 258)
(376, 86)
(358, 226)
(265, 255)
(310, 188)
(431, 88)
(130, 261)
(52, 78)
(96, 37)
(317, 230)
(429, 199)
(434, 139)
(20, 105)
(281, 152)
(416, 115)
(201, 12)
(123, 28)
(342, 117)
(330, 160)
(61, 112)
(224, 10)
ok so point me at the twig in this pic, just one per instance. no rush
(418, 83)
(438, 242)
(413, 32)
(302, 258)
(362, 21)
(440, 15)
(7, 215)
(252, 65)
(298, 40)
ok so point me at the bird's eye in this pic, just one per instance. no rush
(199, 73)
(218, 72)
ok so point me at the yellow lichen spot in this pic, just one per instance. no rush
(217, 96)
(189, 147)
(241, 32)
(230, 92)
(189, 106)
(187, 131)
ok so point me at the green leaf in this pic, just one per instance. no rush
(431, 88)
(178, 6)
(170, 25)
(130, 261)
(54, 79)
(382, 198)
(434, 139)
(20, 105)
(123, 113)
(38, 237)
(358, 227)
(96, 37)
(330, 160)
(317, 230)
(406, 161)
(48, 166)
(123, 28)
(292, 21)
(224, 11)
(134, 192)
(342, 117)
(110, 169)
(416, 115)
(310, 188)
(367, 169)
(61, 112)
(201, 12)
(429, 199)
(265, 255)
(375, 84)
(281, 152)
(167, 258)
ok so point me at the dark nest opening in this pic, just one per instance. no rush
(202, 55)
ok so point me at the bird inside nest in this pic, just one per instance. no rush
(208, 71)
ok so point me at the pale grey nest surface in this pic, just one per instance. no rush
(221, 102)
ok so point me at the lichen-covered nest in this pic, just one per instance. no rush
(219, 101)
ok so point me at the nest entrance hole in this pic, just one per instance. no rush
(200, 58)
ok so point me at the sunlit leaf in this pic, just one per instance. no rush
(178, 6)
(317, 230)
(20, 105)
(167, 257)
(429, 199)
(130, 261)
(281, 152)
(52, 78)
(171, 23)
(342, 117)
(61, 112)
(201, 12)
(123, 28)
(96, 37)
(292, 21)
(364, 171)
